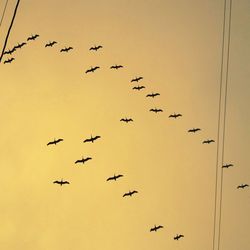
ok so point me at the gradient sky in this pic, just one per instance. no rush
(45, 94)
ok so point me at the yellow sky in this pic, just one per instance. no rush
(45, 94)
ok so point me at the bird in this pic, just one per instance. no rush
(115, 177)
(61, 182)
(95, 48)
(66, 49)
(155, 228)
(92, 69)
(156, 110)
(116, 66)
(9, 52)
(50, 44)
(227, 165)
(193, 130)
(242, 186)
(92, 139)
(83, 160)
(130, 193)
(207, 141)
(152, 95)
(175, 115)
(9, 60)
(126, 120)
(178, 236)
(139, 87)
(32, 37)
(54, 142)
(20, 45)
(137, 79)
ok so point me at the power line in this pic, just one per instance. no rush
(6, 3)
(224, 118)
(219, 115)
(12, 21)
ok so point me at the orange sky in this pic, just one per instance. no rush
(45, 94)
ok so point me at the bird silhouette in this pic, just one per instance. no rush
(116, 66)
(152, 95)
(92, 139)
(155, 228)
(139, 87)
(178, 236)
(50, 44)
(83, 160)
(92, 69)
(137, 79)
(130, 193)
(175, 115)
(242, 186)
(95, 48)
(227, 165)
(32, 37)
(115, 177)
(155, 110)
(61, 182)
(194, 130)
(54, 142)
(20, 45)
(66, 49)
(208, 141)
(9, 60)
(9, 52)
(126, 120)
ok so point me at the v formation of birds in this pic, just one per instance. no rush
(155, 110)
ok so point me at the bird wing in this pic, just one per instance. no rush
(88, 158)
(87, 140)
(65, 182)
(110, 178)
(126, 194)
(51, 142)
(87, 71)
(57, 182)
(78, 161)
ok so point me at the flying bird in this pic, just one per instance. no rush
(95, 48)
(92, 69)
(156, 110)
(175, 115)
(126, 120)
(9, 52)
(66, 49)
(9, 60)
(50, 44)
(115, 177)
(54, 142)
(20, 45)
(61, 182)
(130, 193)
(242, 186)
(178, 236)
(83, 160)
(33, 37)
(207, 141)
(152, 95)
(92, 139)
(137, 79)
(155, 228)
(116, 66)
(139, 87)
(227, 165)
(193, 130)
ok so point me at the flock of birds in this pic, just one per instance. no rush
(126, 120)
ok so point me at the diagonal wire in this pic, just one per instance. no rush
(12, 21)
(6, 3)
(219, 115)
(224, 118)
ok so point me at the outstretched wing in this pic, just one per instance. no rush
(65, 182)
(51, 142)
(126, 194)
(87, 140)
(78, 161)
(110, 178)
(57, 182)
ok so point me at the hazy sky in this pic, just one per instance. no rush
(45, 94)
